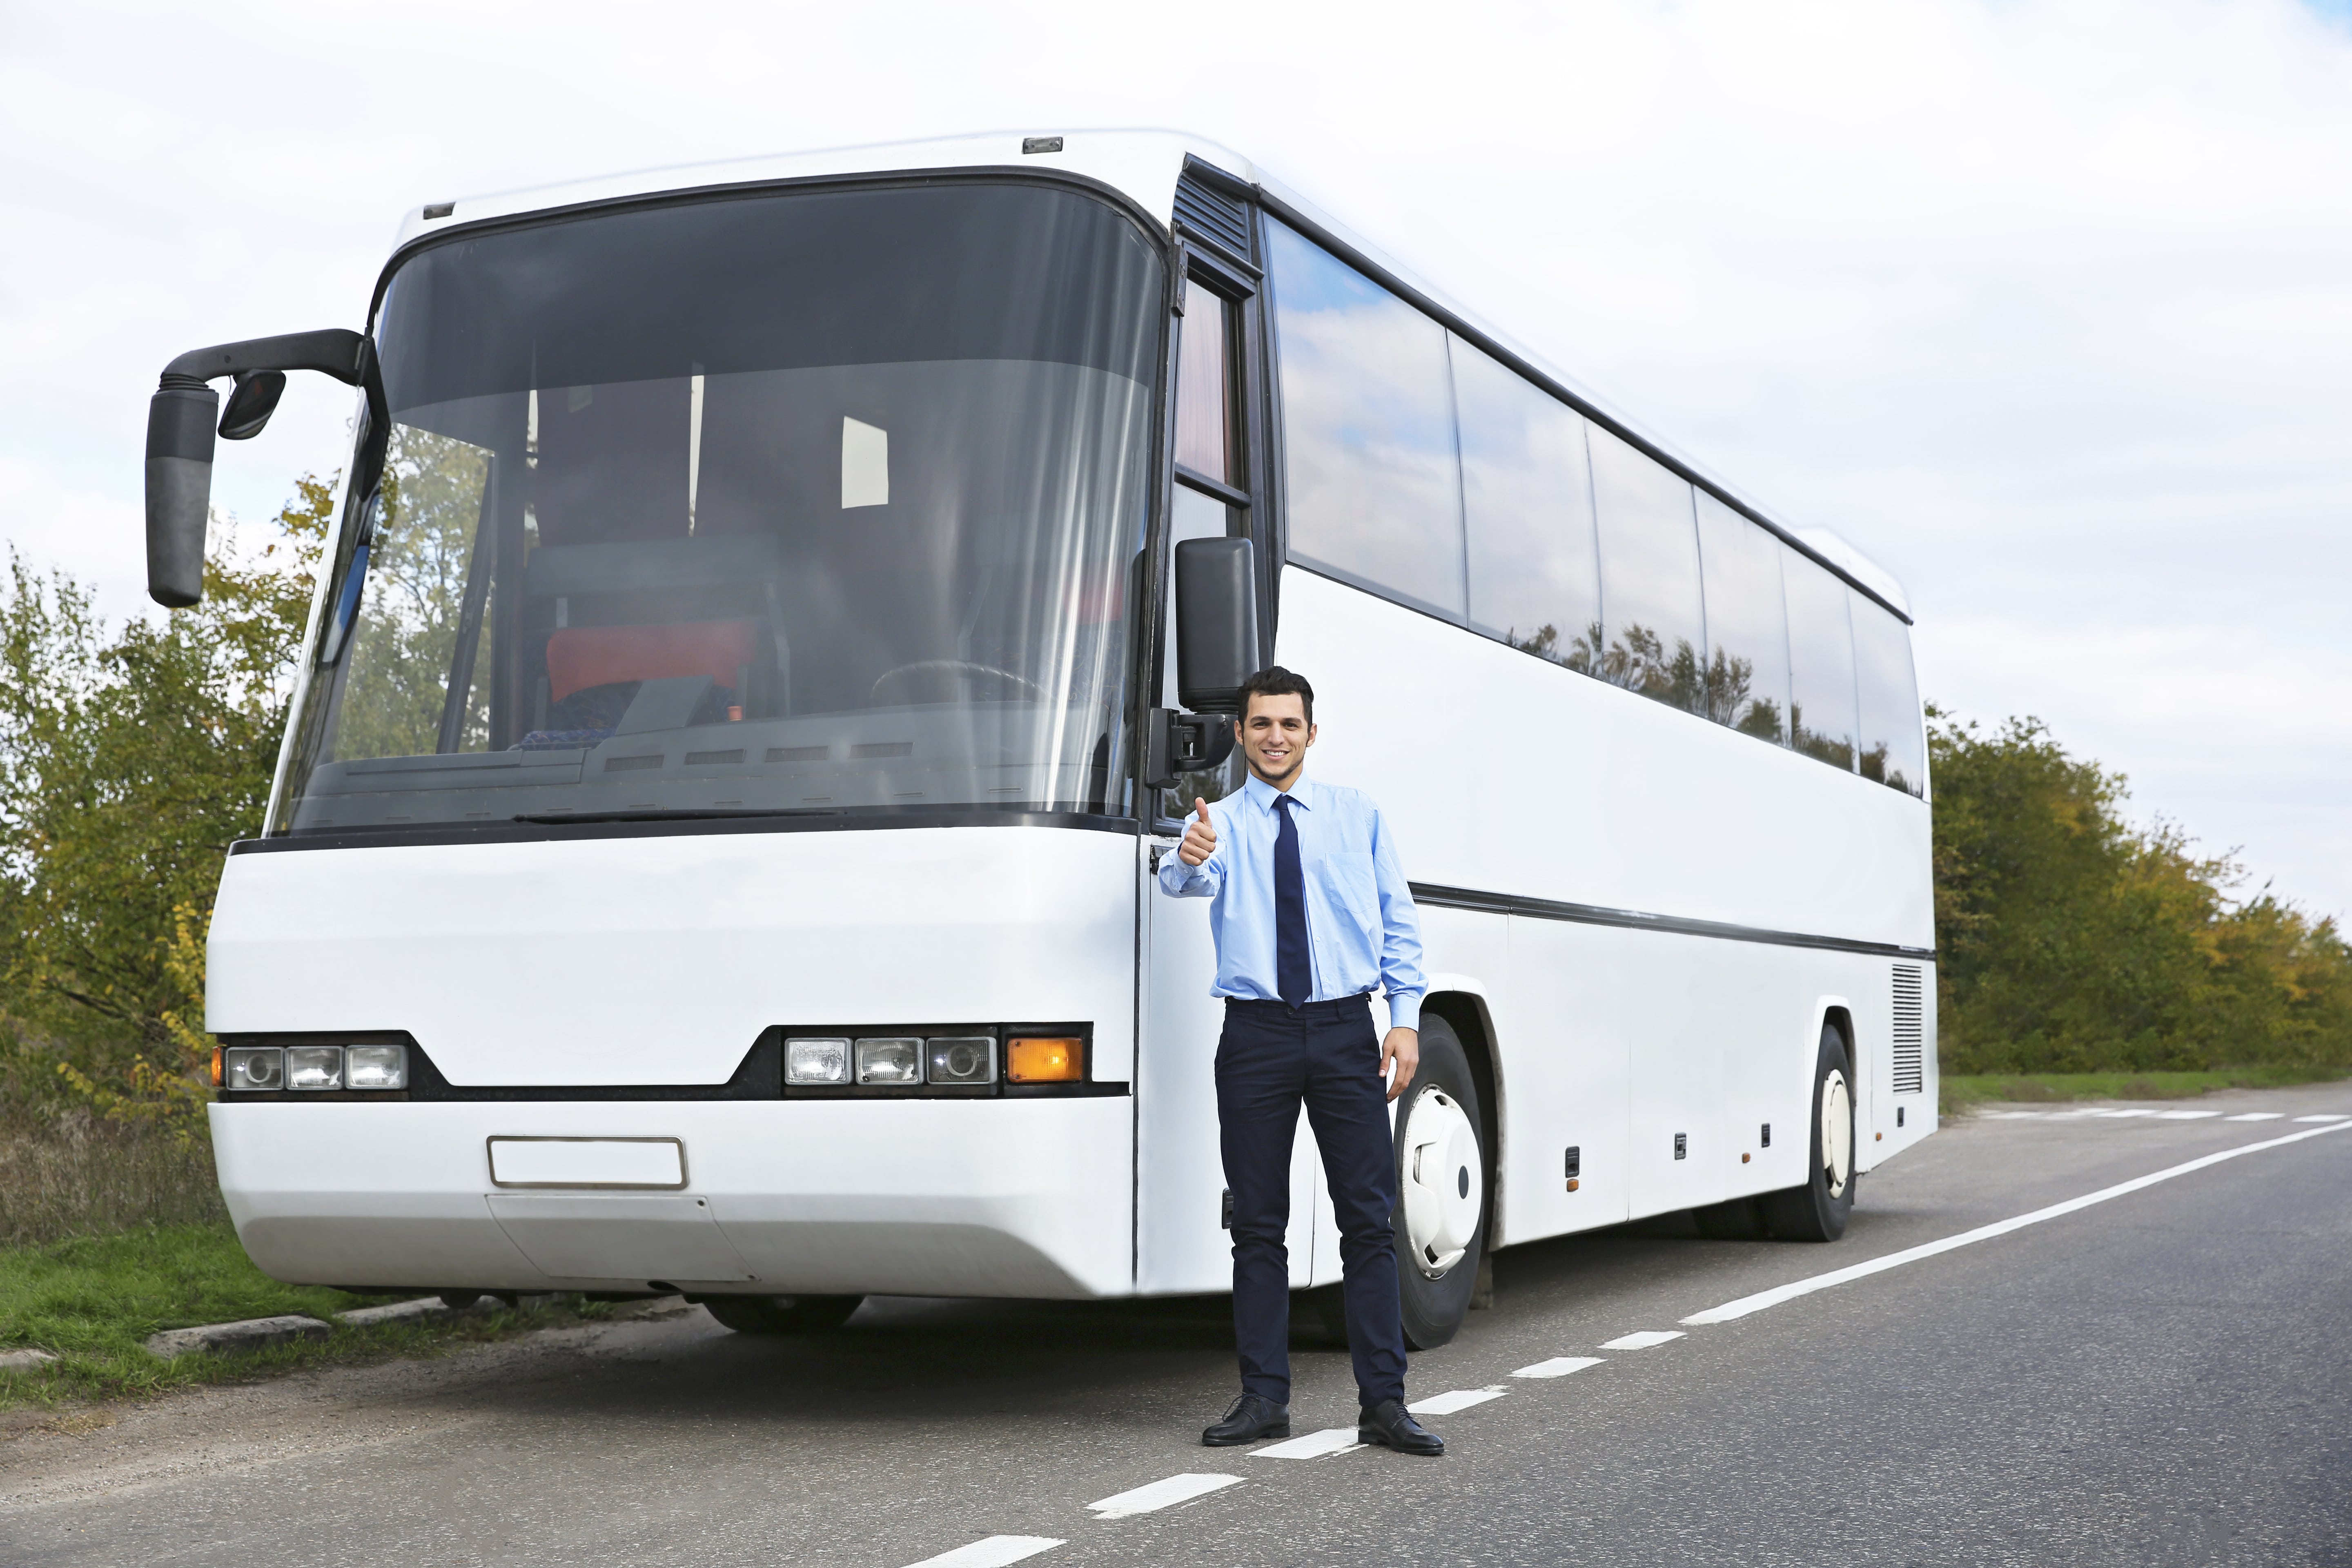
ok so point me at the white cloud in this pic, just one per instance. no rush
(2045, 307)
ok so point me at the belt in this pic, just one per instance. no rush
(1357, 1005)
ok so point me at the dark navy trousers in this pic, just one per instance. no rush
(1270, 1060)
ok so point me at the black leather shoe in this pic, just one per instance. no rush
(1251, 1418)
(1391, 1425)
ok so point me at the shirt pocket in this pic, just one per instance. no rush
(1347, 882)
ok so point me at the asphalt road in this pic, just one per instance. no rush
(2163, 1376)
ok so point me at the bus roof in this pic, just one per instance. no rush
(1142, 165)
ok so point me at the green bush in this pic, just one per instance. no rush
(2071, 942)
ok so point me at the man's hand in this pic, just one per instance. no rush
(1200, 836)
(1401, 1046)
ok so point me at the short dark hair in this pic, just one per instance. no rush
(1275, 681)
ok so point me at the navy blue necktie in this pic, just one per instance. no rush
(1294, 971)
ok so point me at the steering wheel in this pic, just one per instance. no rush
(950, 680)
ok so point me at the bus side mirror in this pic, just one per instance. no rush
(1216, 623)
(181, 427)
(179, 491)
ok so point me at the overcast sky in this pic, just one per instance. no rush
(2049, 308)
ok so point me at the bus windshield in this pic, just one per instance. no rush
(819, 501)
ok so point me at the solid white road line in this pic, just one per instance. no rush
(995, 1551)
(1790, 1292)
(1313, 1446)
(1559, 1366)
(2256, 1116)
(1644, 1340)
(1446, 1403)
(2185, 1115)
(1160, 1494)
(2323, 1119)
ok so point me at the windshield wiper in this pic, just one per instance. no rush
(650, 814)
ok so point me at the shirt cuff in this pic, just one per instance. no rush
(1404, 1010)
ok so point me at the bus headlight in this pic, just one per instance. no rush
(822, 1060)
(889, 1060)
(375, 1066)
(314, 1066)
(961, 1059)
(253, 1067)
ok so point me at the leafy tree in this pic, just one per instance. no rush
(128, 762)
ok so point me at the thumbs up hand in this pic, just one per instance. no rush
(1200, 835)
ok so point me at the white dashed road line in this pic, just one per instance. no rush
(1313, 1446)
(1559, 1366)
(1161, 1494)
(1730, 1310)
(1446, 1403)
(1644, 1340)
(995, 1551)
(2185, 1115)
(2256, 1116)
(2323, 1119)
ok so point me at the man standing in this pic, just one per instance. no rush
(1311, 911)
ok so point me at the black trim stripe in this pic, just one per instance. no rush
(1636, 919)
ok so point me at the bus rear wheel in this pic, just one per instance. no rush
(1818, 1210)
(781, 1314)
(1441, 1169)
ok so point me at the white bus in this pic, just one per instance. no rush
(712, 850)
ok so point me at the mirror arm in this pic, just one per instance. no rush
(181, 432)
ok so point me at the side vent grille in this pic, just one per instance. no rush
(1910, 1066)
(1214, 215)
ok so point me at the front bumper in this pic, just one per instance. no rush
(923, 1197)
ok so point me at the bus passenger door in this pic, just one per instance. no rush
(1181, 1241)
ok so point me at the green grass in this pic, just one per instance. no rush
(1961, 1092)
(94, 1299)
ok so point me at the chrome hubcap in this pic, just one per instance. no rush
(1444, 1182)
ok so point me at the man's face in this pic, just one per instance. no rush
(1275, 734)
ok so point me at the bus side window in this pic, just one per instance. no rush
(1527, 499)
(1747, 679)
(1822, 709)
(1654, 630)
(1374, 489)
(1894, 751)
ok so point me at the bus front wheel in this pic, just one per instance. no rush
(781, 1314)
(1441, 1169)
(1818, 1210)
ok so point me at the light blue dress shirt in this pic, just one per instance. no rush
(1361, 928)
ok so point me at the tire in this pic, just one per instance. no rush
(781, 1314)
(1818, 1210)
(1441, 1211)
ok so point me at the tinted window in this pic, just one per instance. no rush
(1821, 660)
(1373, 486)
(1527, 500)
(1892, 749)
(1747, 679)
(1653, 630)
(1203, 403)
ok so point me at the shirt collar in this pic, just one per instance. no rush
(1263, 794)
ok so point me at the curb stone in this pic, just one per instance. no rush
(254, 1333)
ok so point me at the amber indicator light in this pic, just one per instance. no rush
(1030, 1058)
(216, 1066)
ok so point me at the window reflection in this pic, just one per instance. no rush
(1746, 684)
(1651, 630)
(1526, 498)
(1373, 486)
(1893, 748)
(1822, 709)
(1204, 395)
